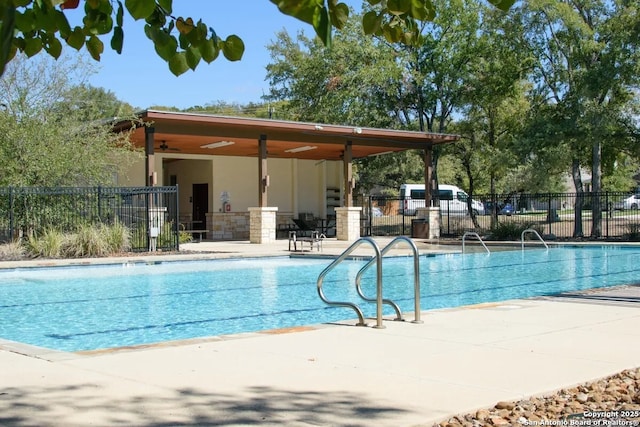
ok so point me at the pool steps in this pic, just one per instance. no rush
(534, 232)
(525, 232)
(476, 235)
(377, 259)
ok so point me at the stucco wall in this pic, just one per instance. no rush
(310, 193)
(238, 176)
(189, 172)
(281, 184)
(296, 186)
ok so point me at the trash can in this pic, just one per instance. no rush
(420, 228)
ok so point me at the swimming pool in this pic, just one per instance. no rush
(86, 308)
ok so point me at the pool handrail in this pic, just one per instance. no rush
(473, 234)
(341, 258)
(531, 230)
(416, 278)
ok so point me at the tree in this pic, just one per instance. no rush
(91, 103)
(49, 135)
(354, 83)
(233, 109)
(357, 82)
(436, 69)
(586, 72)
(493, 101)
(29, 26)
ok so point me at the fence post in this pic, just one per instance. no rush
(176, 219)
(11, 213)
(609, 212)
(99, 203)
(549, 215)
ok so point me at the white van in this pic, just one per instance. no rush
(453, 200)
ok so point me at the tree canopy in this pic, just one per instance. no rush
(52, 131)
(31, 26)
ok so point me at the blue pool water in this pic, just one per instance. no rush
(85, 308)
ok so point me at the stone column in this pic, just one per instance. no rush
(432, 215)
(262, 225)
(348, 223)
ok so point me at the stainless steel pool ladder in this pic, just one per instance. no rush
(416, 278)
(532, 231)
(377, 259)
(473, 234)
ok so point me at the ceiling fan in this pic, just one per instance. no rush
(164, 147)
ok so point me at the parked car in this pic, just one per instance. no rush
(453, 200)
(376, 211)
(507, 209)
(631, 202)
(503, 208)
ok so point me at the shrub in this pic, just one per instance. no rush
(510, 230)
(12, 251)
(49, 244)
(184, 237)
(117, 237)
(633, 231)
(165, 237)
(88, 241)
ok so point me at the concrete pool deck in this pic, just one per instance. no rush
(406, 374)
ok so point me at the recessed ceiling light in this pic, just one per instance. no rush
(299, 149)
(218, 144)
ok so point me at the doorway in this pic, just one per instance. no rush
(200, 206)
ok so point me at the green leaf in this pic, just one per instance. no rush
(166, 47)
(166, 5)
(305, 10)
(193, 57)
(7, 24)
(502, 4)
(117, 39)
(157, 18)
(104, 25)
(184, 41)
(25, 22)
(92, 4)
(76, 38)
(178, 64)
(392, 33)
(62, 24)
(95, 47)
(233, 48)
(32, 46)
(105, 7)
(53, 47)
(45, 20)
(371, 22)
(119, 14)
(399, 7)
(198, 34)
(422, 10)
(140, 9)
(339, 14)
(323, 27)
(209, 51)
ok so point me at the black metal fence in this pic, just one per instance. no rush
(560, 215)
(150, 213)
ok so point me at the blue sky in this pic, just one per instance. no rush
(139, 77)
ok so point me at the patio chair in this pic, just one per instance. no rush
(315, 238)
(305, 228)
